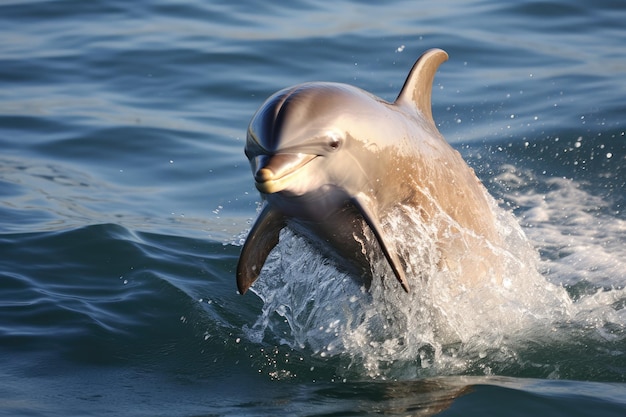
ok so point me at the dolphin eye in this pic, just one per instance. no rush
(334, 142)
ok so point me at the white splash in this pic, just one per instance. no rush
(442, 326)
(581, 237)
(583, 242)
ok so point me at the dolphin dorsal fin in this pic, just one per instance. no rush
(418, 86)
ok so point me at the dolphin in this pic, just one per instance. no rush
(331, 161)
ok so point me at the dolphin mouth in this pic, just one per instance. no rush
(275, 173)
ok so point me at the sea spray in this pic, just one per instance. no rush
(442, 326)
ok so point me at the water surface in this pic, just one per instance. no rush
(125, 195)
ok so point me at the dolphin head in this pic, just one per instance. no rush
(302, 141)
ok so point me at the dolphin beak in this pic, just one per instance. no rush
(274, 173)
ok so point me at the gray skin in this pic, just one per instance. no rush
(331, 160)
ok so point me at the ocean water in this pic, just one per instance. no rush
(125, 197)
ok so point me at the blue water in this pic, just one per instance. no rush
(125, 196)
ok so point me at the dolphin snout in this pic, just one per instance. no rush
(263, 175)
(274, 173)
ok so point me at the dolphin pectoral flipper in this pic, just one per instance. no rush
(364, 205)
(262, 238)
